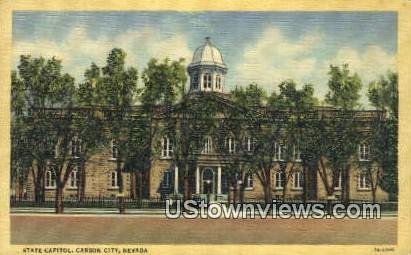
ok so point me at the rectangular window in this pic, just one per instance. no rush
(75, 147)
(297, 153)
(218, 82)
(195, 81)
(279, 180)
(207, 80)
(364, 181)
(114, 149)
(74, 178)
(167, 179)
(298, 180)
(364, 152)
(338, 183)
(249, 180)
(278, 152)
(50, 179)
(114, 179)
(208, 145)
(166, 148)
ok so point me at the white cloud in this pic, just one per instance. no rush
(274, 58)
(78, 49)
(369, 64)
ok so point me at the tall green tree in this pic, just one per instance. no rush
(196, 124)
(383, 95)
(264, 128)
(295, 103)
(344, 88)
(21, 159)
(164, 86)
(39, 85)
(90, 133)
(235, 140)
(342, 135)
(117, 93)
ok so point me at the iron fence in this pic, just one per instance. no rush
(90, 202)
(159, 203)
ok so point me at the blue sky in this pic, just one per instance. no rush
(261, 47)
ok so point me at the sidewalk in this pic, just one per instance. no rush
(147, 212)
(40, 210)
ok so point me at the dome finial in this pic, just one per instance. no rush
(208, 40)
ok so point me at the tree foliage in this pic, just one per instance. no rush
(383, 95)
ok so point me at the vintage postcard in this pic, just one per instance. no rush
(205, 128)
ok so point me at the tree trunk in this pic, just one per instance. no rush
(346, 188)
(305, 185)
(284, 192)
(38, 189)
(38, 181)
(241, 195)
(133, 177)
(20, 194)
(20, 188)
(374, 197)
(186, 184)
(329, 202)
(267, 194)
(81, 184)
(235, 188)
(120, 189)
(139, 182)
(186, 188)
(229, 194)
(58, 201)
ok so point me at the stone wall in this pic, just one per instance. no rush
(98, 182)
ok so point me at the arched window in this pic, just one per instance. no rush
(114, 149)
(114, 179)
(231, 144)
(298, 180)
(279, 180)
(249, 144)
(50, 179)
(57, 148)
(208, 145)
(208, 180)
(218, 82)
(74, 178)
(166, 147)
(207, 80)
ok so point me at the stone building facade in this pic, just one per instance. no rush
(207, 75)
